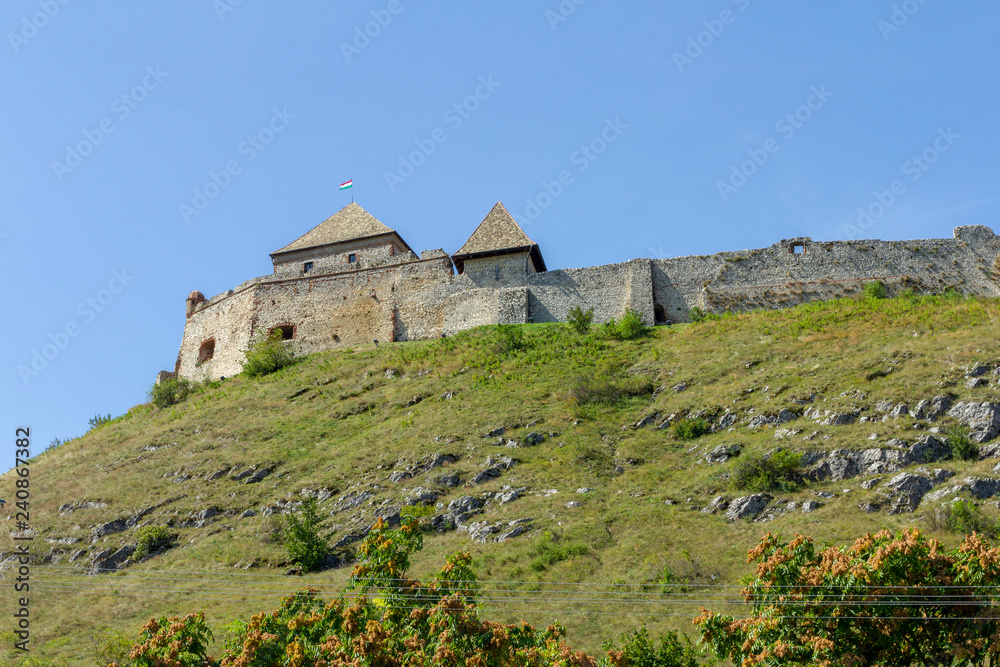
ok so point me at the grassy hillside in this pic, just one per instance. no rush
(339, 424)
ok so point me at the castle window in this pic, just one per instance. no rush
(798, 248)
(352, 258)
(496, 272)
(307, 267)
(206, 351)
(287, 331)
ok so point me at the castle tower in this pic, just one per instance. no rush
(352, 238)
(498, 250)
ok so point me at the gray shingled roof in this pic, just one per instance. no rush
(348, 224)
(497, 231)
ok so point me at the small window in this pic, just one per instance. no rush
(206, 351)
(496, 272)
(352, 258)
(798, 248)
(307, 267)
(287, 331)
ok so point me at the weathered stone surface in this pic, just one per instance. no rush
(841, 464)
(421, 496)
(906, 490)
(109, 528)
(718, 504)
(973, 383)
(533, 439)
(723, 453)
(747, 506)
(983, 487)
(983, 419)
(810, 506)
(107, 560)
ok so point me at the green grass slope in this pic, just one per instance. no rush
(342, 422)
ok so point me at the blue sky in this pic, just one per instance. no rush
(151, 149)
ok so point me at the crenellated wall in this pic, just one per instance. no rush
(396, 297)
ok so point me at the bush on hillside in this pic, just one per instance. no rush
(579, 320)
(152, 539)
(267, 354)
(696, 314)
(608, 389)
(506, 339)
(629, 327)
(875, 290)
(99, 420)
(638, 650)
(302, 539)
(690, 428)
(169, 392)
(759, 473)
(961, 445)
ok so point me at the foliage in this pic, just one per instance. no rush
(410, 623)
(608, 388)
(961, 445)
(964, 517)
(637, 650)
(56, 443)
(579, 320)
(99, 420)
(302, 539)
(169, 392)
(550, 549)
(267, 353)
(629, 327)
(151, 540)
(507, 339)
(887, 600)
(173, 642)
(112, 646)
(760, 473)
(690, 428)
(874, 290)
(696, 314)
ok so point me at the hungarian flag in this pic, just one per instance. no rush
(347, 184)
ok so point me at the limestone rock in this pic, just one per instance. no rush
(983, 419)
(747, 506)
(723, 453)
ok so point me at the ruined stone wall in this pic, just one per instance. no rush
(413, 299)
(776, 276)
(610, 290)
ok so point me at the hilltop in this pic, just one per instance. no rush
(578, 451)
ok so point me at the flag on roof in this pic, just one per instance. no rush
(347, 184)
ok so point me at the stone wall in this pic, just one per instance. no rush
(405, 298)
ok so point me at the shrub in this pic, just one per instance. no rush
(637, 650)
(961, 446)
(607, 389)
(579, 320)
(629, 327)
(112, 646)
(777, 472)
(874, 290)
(267, 354)
(696, 314)
(56, 442)
(690, 428)
(962, 516)
(99, 420)
(169, 392)
(550, 549)
(151, 540)
(302, 538)
(507, 338)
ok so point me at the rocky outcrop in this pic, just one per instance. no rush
(747, 507)
(841, 464)
(982, 419)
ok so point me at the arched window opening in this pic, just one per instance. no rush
(206, 351)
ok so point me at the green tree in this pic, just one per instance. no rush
(888, 600)
(301, 536)
(267, 353)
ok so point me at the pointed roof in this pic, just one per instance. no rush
(350, 223)
(499, 233)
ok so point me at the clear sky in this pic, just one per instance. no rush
(154, 148)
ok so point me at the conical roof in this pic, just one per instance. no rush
(348, 224)
(497, 231)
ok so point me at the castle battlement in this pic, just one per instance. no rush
(351, 280)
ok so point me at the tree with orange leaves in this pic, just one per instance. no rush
(887, 600)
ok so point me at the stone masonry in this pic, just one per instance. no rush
(352, 280)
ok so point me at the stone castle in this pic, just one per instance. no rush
(352, 280)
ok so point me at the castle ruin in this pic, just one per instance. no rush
(352, 280)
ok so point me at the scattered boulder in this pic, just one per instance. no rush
(109, 528)
(495, 433)
(533, 439)
(983, 487)
(259, 475)
(983, 419)
(974, 383)
(978, 370)
(810, 506)
(111, 560)
(718, 504)
(747, 506)
(723, 453)
(421, 496)
(449, 480)
(910, 489)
